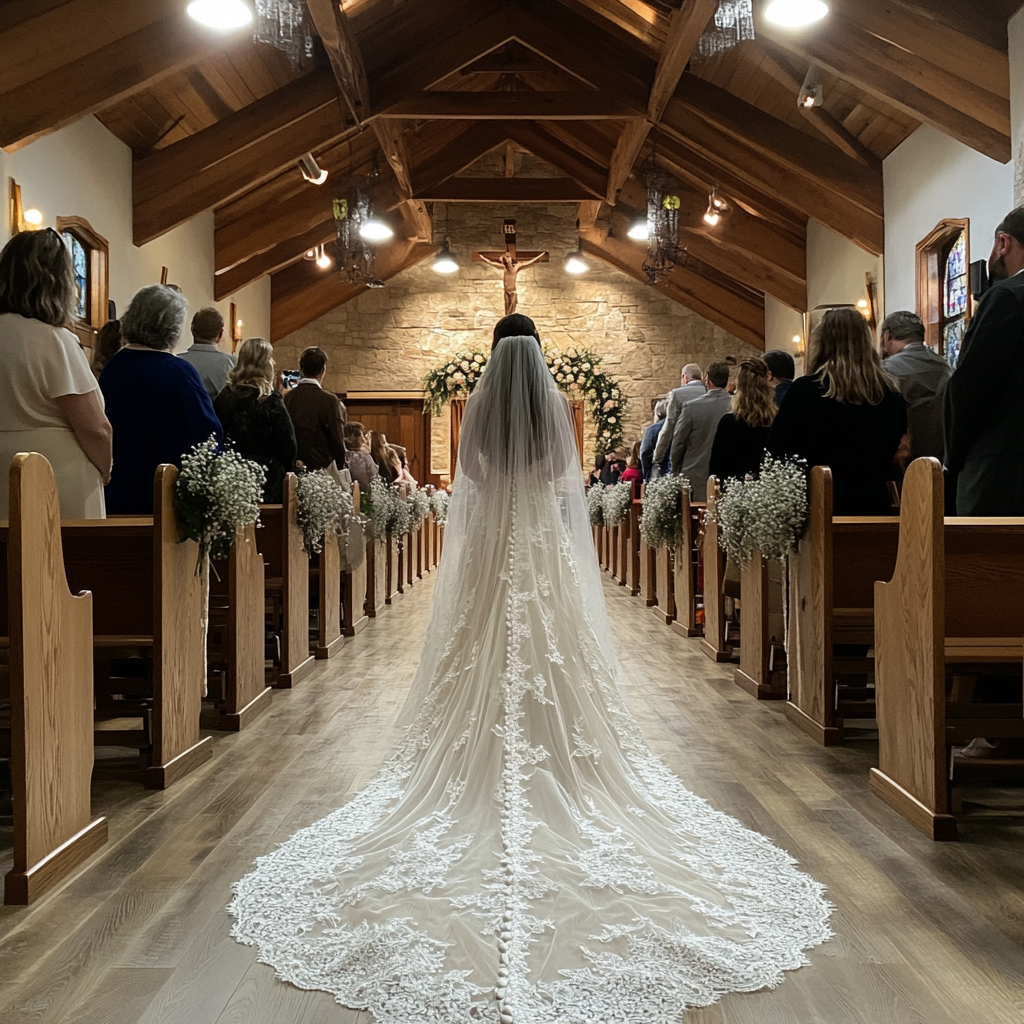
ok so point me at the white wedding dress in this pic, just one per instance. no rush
(523, 857)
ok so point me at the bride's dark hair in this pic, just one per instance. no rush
(515, 325)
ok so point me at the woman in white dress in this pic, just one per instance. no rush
(50, 401)
(523, 857)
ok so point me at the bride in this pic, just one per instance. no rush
(523, 857)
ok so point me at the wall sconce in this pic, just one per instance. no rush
(236, 327)
(33, 218)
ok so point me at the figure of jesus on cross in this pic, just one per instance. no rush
(510, 264)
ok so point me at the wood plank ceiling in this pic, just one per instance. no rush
(426, 89)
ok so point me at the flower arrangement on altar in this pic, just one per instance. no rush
(767, 514)
(616, 501)
(577, 372)
(216, 493)
(324, 506)
(663, 510)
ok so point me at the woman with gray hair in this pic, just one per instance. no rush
(49, 399)
(156, 402)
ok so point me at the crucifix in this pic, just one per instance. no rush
(510, 263)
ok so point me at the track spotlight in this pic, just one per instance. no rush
(375, 230)
(717, 208)
(311, 170)
(222, 14)
(444, 261)
(795, 13)
(811, 96)
(575, 263)
(323, 261)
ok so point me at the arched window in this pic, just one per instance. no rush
(90, 256)
(943, 286)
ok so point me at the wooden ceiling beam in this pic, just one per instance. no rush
(565, 158)
(104, 76)
(523, 106)
(975, 117)
(459, 154)
(685, 28)
(297, 296)
(984, 22)
(737, 310)
(507, 190)
(234, 155)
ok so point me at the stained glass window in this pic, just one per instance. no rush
(80, 262)
(955, 292)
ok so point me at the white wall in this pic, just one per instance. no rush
(836, 269)
(930, 178)
(84, 170)
(1016, 33)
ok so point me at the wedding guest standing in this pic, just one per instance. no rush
(49, 399)
(647, 445)
(156, 402)
(254, 418)
(781, 371)
(694, 432)
(108, 341)
(984, 410)
(387, 462)
(846, 413)
(212, 365)
(317, 415)
(742, 434)
(358, 459)
(633, 474)
(691, 388)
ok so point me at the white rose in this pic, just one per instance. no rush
(465, 364)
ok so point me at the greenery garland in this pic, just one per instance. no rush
(577, 373)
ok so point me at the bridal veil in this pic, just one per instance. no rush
(523, 857)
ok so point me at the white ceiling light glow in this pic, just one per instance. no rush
(221, 14)
(639, 231)
(576, 264)
(444, 261)
(795, 13)
(374, 230)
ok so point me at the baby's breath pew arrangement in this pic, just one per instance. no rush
(663, 510)
(616, 501)
(767, 514)
(324, 506)
(439, 506)
(217, 492)
(595, 505)
(387, 510)
(419, 501)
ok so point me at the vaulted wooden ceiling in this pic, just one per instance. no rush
(425, 89)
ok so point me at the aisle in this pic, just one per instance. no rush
(925, 932)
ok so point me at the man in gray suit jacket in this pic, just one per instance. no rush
(921, 375)
(691, 387)
(695, 430)
(984, 409)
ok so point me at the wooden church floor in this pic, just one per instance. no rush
(926, 933)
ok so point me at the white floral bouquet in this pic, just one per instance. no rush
(663, 510)
(595, 505)
(458, 376)
(439, 502)
(616, 501)
(419, 502)
(767, 514)
(217, 492)
(324, 506)
(387, 510)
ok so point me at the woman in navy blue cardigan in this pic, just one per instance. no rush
(155, 401)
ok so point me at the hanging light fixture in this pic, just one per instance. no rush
(663, 249)
(220, 14)
(717, 208)
(323, 261)
(444, 261)
(286, 25)
(575, 263)
(734, 23)
(795, 13)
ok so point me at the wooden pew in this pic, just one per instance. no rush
(715, 643)
(287, 582)
(761, 632)
(622, 552)
(329, 638)
(376, 576)
(392, 576)
(633, 574)
(955, 596)
(51, 672)
(148, 596)
(648, 574)
(237, 614)
(831, 601)
(685, 567)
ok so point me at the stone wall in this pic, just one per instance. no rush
(388, 339)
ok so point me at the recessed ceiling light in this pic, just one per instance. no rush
(222, 14)
(795, 13)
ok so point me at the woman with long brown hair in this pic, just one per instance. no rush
(255, 419)
(387, 462)
(742, 434)
(845, 414)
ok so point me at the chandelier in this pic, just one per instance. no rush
(356, 258)
(286, 24)
(734, 22)
(663, 249)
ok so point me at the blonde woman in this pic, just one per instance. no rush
(50, 401)
(845, 414)
(255, 421)
(742, 434)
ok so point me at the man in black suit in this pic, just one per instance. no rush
(985, 395)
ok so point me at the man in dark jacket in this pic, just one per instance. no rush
(650, 440)
(984, 409)
(317, 415)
